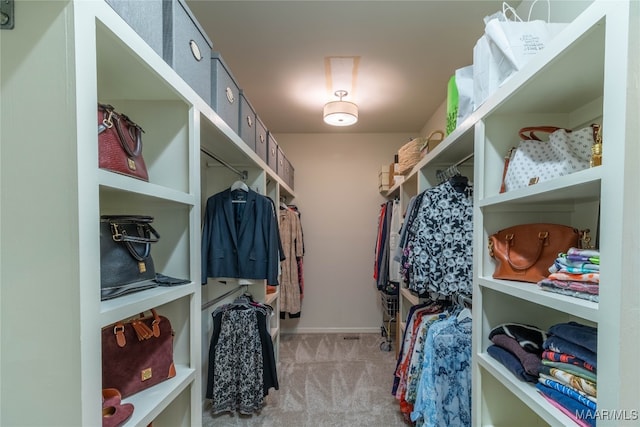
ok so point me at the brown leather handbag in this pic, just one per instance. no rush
(525, 252)
(137, 354)
(120, 144)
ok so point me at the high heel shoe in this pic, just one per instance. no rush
(115, 416)
(114, 412)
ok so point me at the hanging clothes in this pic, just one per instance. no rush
(444, 389)
(242, 365)
(240, 237)
(292, 245)
(395, 227)
(438, 251)
(300, 259)
(385, 271)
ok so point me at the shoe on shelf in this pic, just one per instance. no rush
(114, 412)
(116, 415)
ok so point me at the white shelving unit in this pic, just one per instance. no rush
(59, 61)
(585, 76)
(589, 73)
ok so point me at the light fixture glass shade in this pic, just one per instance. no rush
(340, 113)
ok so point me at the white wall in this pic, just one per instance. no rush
(336, 180)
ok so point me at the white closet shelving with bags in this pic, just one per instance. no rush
(588, 74)
(58, 62)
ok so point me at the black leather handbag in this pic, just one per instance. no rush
(126, 265)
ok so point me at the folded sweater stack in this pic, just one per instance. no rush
(567, 373)
(575, 273)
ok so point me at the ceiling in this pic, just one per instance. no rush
(407, 52)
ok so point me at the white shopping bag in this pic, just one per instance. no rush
(506, 46)
(464, 84)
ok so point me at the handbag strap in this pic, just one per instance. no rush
(149, 234)
(542, 237)
(113, 118)
(143, 332)
(527, 133)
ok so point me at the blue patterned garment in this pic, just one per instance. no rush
(440, 243)
(444, 390)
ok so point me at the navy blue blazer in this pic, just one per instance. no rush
(240, 240)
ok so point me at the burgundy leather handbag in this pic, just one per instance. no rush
(137, 354)
(120, 144)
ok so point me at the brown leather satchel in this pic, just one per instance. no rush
(525, 252)
(120, 144)
(137, 354)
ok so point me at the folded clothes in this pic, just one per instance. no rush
(577, 333)
(576, 383)
(567, 367)
(567, 358)
(590, 288)
(561, 345)
(580, 414)
(529, 337)
(511, 362)
(569, 292)
(582, 269)
(580, 258)
(568, 391)
(529, 361)
(584, 277)
(578, 261)
(591, 253)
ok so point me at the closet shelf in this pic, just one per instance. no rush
(125, 306)
(150, 403)
(410, 296)
(270, 298)
(531, 293)
(526, 392)
(113, 182)
(579, 186)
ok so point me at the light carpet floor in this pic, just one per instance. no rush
(326, 381)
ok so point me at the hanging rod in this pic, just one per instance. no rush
(452, 170)
(242, 174)
(223, 296)
(464, 160)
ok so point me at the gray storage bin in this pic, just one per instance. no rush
(281, 171)
(272, 152)
(225, 93)
(247, 119)
(187, 49)
(261, 139)
(145, 17)
(289, 173)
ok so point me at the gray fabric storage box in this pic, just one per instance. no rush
(186, 47)
(145, 17)
(225, 93)
(281, 172)
(247, 119)
(261, 139)
(289, 172)
(272, 152)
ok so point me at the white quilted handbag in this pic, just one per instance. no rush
(536, 161)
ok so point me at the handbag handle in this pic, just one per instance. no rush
(527, 133)
(149, 234)
(135, 131)
(542, 237)
(143, 332)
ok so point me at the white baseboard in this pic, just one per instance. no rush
(368, 330)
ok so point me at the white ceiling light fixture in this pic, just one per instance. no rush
(340, 113)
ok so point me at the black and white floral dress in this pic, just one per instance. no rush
(438, 256)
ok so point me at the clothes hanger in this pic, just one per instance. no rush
(240, 185)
